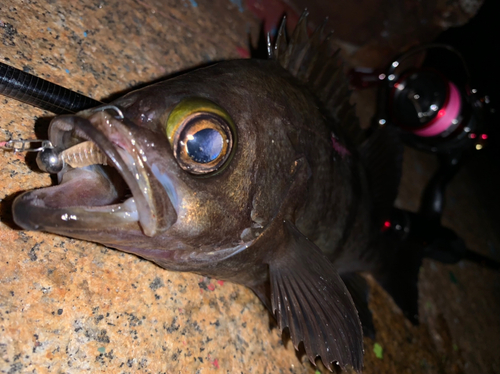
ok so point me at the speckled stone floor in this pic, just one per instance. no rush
(68, 306)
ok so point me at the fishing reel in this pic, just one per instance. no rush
(434, 113)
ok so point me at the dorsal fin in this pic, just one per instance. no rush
(310, 59)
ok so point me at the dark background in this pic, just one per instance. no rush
(478, 42)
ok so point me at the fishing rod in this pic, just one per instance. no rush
(40, 93)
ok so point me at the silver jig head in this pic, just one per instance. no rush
(47, 159)
(52, 160)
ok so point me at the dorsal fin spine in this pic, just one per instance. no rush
(297, 51)
(281, 44)
(270, 49)
(310, 60)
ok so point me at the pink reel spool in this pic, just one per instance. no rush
(446, 116)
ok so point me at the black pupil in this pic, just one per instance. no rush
(205, 145)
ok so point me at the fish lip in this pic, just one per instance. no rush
(110, 136)
(112, 141)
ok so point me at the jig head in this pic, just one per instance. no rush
(51, 160)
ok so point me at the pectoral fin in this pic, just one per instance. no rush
(309, 298)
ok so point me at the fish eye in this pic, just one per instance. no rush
(202, 136)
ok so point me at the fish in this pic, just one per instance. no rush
(253, 171)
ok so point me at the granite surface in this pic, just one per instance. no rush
(68, 306)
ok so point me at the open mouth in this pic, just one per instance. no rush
(103, 184)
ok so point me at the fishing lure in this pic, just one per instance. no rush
(51, 160)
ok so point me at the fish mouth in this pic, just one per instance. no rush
(95, 198)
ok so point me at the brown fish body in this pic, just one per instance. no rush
(287, 203)
(293, 151)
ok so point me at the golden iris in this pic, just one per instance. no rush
(202, 136)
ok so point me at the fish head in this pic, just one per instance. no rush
(199, 166)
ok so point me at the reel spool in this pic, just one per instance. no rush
(434, 113)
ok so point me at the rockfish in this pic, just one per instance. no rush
(251, 171)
